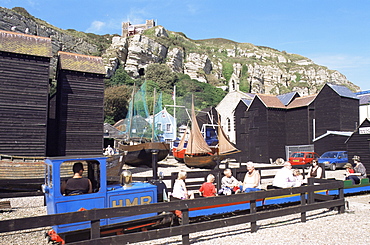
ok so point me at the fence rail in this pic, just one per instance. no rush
(308, 201)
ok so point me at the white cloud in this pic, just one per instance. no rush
(192, 8)
(355, 68)
(340, 61)
(96, 27)
(135, 16)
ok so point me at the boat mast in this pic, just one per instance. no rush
(132, 111)
(174, 112)
(154, 104)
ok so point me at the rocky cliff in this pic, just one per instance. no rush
(220, 62)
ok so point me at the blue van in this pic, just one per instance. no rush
(334, 159)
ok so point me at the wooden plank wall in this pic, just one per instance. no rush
(276, 135)
(330, 143)
(80, 113)
(297, 126)
(349, 111)
(327, 111)
(241, 130)
(258, 132)
(359, 144)
(23, 104)
(333, 112)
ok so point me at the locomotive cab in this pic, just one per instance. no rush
(60, 169)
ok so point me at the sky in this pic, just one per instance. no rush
(332, 33)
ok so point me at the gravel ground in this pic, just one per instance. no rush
(322, 226)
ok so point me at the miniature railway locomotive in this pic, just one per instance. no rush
(102, 196)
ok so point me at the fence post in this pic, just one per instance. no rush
(185, 221)
(95, 229)
(218, 180)
(173, 179)
(303, 202)
(311, 199)
(253, 210)
(341, 196)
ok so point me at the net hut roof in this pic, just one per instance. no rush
(18, 43)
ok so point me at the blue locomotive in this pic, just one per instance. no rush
(58, 170)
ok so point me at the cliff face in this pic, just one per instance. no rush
(222, 62)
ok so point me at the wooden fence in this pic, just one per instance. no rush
(308, 201)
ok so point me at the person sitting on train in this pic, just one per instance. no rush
(298, 177)
(349, 174)
(284, 177)
(359, 167)
(359, 171)
(179, 188)
(252, 179)
(77, 184)
(315, 171)
(208, 189)
(229, 184)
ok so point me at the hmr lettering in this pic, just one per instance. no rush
(135, 201)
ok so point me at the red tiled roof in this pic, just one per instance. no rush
(82, 63)
(301, 101)
(270, 101)
(14, 42)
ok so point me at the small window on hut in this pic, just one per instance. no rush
(168, 127)
(79, 177)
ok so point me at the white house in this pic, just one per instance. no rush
(364, 110)
(226, 109)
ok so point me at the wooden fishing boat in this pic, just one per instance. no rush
(138, 149)
(179, 151)
(199, 154)
(20, 173)
(141, 154)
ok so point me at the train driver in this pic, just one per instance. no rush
(77, 184)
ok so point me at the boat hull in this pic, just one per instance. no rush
(208, 162)
(141, 154)
(178, 155)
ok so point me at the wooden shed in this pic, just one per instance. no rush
(24, 83)
(242, 131)
(336, 109)
(299, 128)
(265, 124)
(79, 114)
(359, 144)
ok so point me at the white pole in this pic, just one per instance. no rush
(174, 112)
(313, 128)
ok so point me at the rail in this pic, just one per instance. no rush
(309, 201)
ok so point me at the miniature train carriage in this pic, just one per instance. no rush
(59, 169)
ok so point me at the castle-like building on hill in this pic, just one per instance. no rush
(129, 30)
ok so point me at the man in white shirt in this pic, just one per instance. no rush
(284, 177)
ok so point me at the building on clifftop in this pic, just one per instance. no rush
(128, 29)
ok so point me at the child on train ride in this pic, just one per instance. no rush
(208, 189)
(229, 184)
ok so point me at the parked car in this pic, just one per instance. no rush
(334, 159)
(302, 157)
